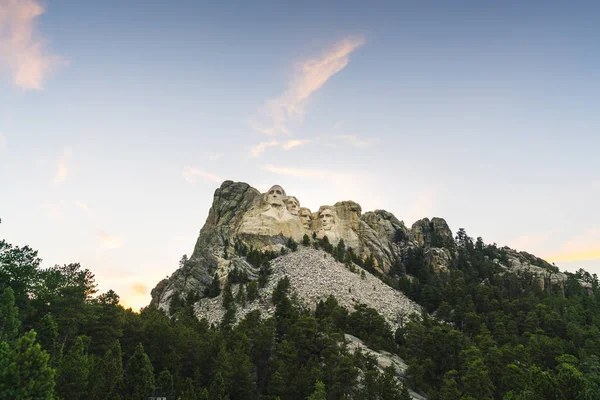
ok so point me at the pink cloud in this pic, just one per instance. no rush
(23, 50)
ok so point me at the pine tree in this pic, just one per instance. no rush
(9, 316)
(108, 376)
(24, 371)
(320, 393)
(277, 385)
(252, 292)
(165, 383)
(47, 332)
(475, 375)
(404, 393)
(389, 388)
(305, 240)
(450, 390)
(73, 372)
(138, 377)
(217, 388)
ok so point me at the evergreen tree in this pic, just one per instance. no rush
(305, 240)
(165, 383)
(47, 332)
(389, 388)
(252, 291)
(9, 316)
(73, 372)
(138, 379)
(24, 371)
(217, 388)
(404, 393)
(475, 375)
(320, 393)
(450, 390)
(108, 376)
(277, 386)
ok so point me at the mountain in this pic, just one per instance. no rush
(368, 254)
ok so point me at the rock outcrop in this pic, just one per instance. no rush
(241, 215)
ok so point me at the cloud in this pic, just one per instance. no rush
(81, 205)
(109, 241)
(2, 142)
(318, 174)
(139, 288)
(260, 148)
(290, 144)
(62, 168)
(215, 157)
(309, 76)
(23, 50)
(192, 175)
(257, 150)
(581, 248)
(355, 141)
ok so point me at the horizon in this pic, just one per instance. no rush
(119, 121)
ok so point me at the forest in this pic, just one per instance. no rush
(483, 334)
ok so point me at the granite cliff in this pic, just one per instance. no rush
(242, 217)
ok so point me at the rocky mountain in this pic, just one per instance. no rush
(241, 219)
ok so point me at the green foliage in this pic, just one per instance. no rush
(252, 291)
(305, 240)
(493, 336)
(165, 383)
(107, 377)
(9, 316)
(73, 372)
(138, 380)
(320, 393)
(24, 371)
(292, 245)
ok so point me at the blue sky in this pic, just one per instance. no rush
(118, 120)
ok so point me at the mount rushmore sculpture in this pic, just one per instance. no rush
(241, 215)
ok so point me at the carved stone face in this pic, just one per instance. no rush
(305, 217)
(292, 204)
(275, 196)
(326, 218)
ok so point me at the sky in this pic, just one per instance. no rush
(119, 119)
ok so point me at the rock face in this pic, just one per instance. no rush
(314, 275)
(241, 216)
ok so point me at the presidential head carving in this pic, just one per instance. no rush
(305, 216)
(326, 217)
(292, 204)
(276, 196)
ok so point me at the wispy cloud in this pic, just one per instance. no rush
(355, 141)
(309, 76)
(260, 148)
(23, 50)
(139, 288)
(110, 241)
(318, 174)
(192, 175)
(62, 168)
(81, 205)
